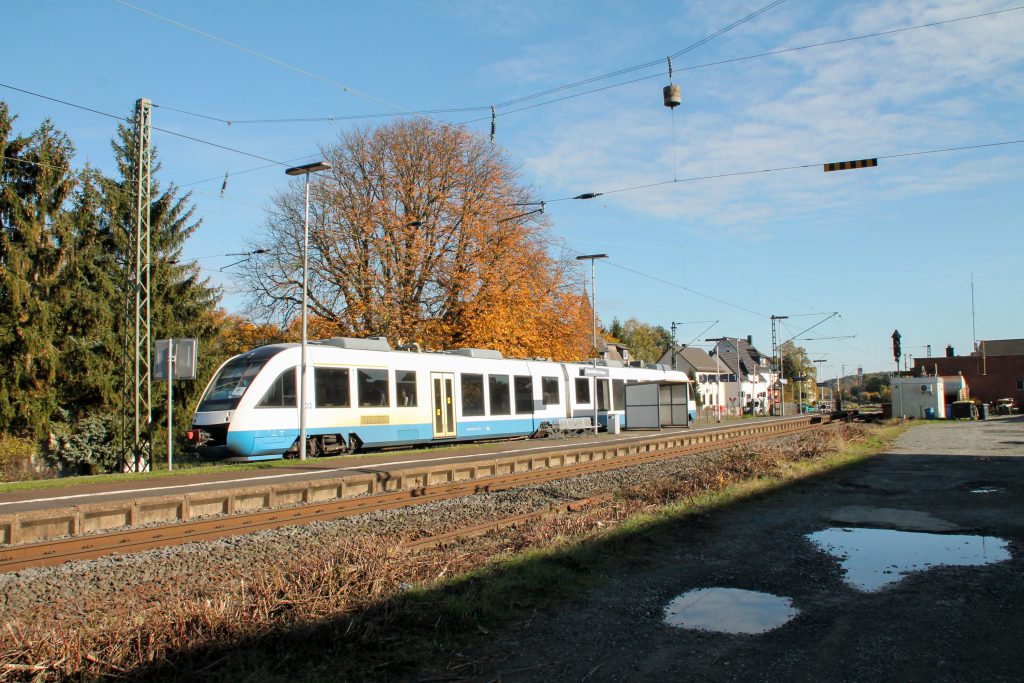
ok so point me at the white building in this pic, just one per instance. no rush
(916, 396)
(750, 376)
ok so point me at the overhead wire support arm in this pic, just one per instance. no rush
(523, 215)
(832, 315)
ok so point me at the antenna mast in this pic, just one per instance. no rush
(974, 333)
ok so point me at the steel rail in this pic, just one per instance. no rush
(49, 553)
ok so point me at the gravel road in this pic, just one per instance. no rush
(944, 623)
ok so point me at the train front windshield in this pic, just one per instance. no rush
(230, 383)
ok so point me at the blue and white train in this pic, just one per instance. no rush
(362, 394)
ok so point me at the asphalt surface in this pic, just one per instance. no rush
(954, 482)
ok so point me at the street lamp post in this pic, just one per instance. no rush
(593, 309)
(305, 170)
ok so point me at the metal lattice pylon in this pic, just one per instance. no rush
(138, 453)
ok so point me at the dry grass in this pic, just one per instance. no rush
(354, 592)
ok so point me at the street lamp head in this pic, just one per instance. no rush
(308, 168)
(586, 257)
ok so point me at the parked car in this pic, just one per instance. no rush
(1004, 406)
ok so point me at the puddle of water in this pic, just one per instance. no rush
(729, 610)
(874, 558)
(986, 489)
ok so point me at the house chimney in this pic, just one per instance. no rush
(949, 351)
(750, 340)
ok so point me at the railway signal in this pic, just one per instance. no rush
(896, 347)
(847, 165)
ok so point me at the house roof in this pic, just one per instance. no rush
(734, 351)
(1000, 347)
(690, 356)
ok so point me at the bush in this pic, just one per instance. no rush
(86, 445)
(17, 458)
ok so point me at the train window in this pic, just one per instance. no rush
(500, 401)
(602, 394)
(618, 394)
(282, 392)
(230, 383)
(472, 395)
(373, 388)
(582, 390)
(331, 387)
(405, 384)
(549, 388)
(524, 394)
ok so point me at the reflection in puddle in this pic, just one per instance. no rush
(986, 489)
(873, 558)
(729, 610)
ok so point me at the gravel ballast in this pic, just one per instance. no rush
(83, 586)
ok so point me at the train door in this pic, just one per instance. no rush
(442, 397)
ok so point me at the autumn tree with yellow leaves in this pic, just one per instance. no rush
(421, 232)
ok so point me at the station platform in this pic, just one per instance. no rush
(38, 514)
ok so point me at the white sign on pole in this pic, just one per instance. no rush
(173, 359)
(594, 372)
(183, 358)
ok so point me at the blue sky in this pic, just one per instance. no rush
(889, 247)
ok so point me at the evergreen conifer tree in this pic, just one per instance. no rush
(35, 184)
(90, 307)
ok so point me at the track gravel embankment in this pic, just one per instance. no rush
(87, 586)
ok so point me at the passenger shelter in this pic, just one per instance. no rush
(658, 404)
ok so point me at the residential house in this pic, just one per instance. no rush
(751, 377)
(710, 375)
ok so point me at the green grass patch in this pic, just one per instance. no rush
(192, 468)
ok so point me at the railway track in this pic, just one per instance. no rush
(54, 552)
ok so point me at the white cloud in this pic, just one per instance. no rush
(936, 87)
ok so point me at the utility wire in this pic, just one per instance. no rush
(405, 112)
(127, 120)
(770, 53)
(659, 74)
(630, 69)
(592, 195)
(254, 53)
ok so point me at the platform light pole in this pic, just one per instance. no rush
(593, 309)
(305, 170)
